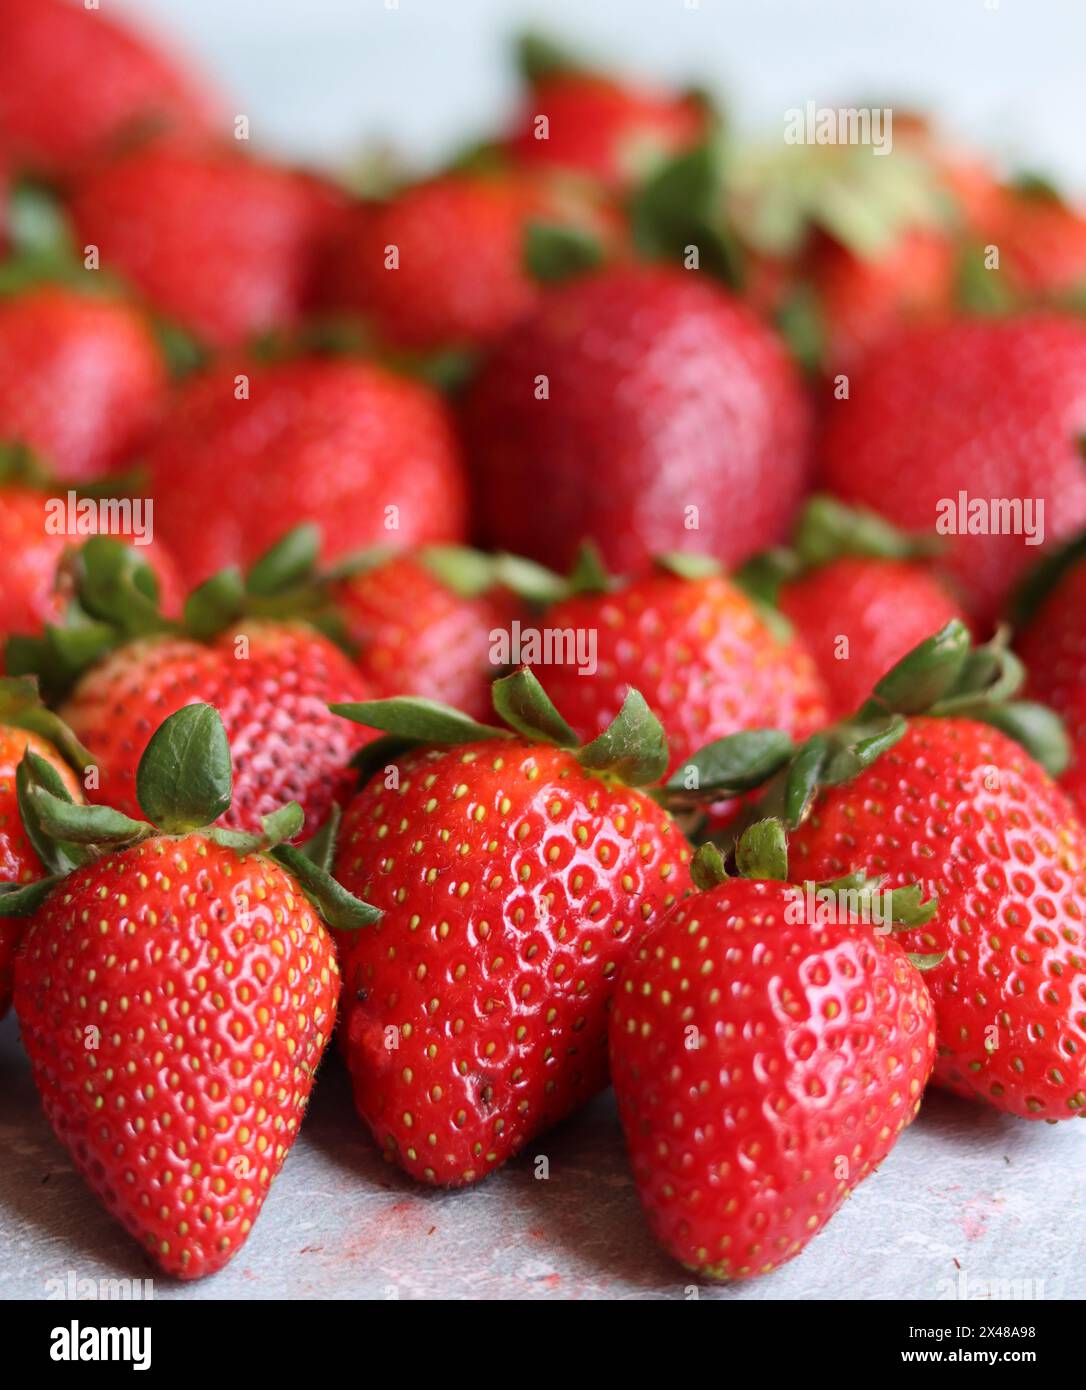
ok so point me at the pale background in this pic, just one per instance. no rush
(315, 77)
(968, 1196)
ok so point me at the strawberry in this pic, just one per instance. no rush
(225, 245)
(859, 593)
(928, 784)
(992, 409)
(25, 724)
(35, 581)
(176, 988)
(75, 82)
(82, 380)
(705, 658)
(368, 455)
(121, 667)
(653, 410)
(1053, 646)
(861, 301)
(1041, 241)
(424, 622)
(764, 1064)
(462, 272)
(613, 131)
(513, 872)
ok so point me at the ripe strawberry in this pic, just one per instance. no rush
(706, 660)
(863, 300)
(1053, 647)
(423, 625)
(646, 409)
(25, 724)
(1042, 244)
(461, 275)
(368, 455)
(82, 380)
(513, 875)
(226, 246)
(613, 131)
(74, 82)
(271, 679)
(764, 1065)
(35, 584)
(858, 592)
(954, 804)
(176, 990)
(991, 408)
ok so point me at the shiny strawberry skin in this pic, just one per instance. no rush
(992, 407)
(82, 381)
(512, 883)
(285, 743)
(74, 82)
(212, 985)
(699, 652)
(416, 636)
(461, 277)
(613, 132)
(812, 1046)
(674, 422)
(370, 456)
(960, 808)
(1054, 650)
(32, 593)
(18, 861)
(883, 608)
(226, 246)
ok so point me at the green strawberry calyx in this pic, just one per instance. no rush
(184, 783)
(633, 748)
(828, 529)
(761, 853)
(21, 707)
(944, 676)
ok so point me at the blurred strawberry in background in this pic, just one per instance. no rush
(76, 83)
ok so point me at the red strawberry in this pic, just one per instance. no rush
(176, 991)
(1042, 243)
(954, 804)
(81, 379)
(614, 131)
(1054, 649)
(225, 245)
(270, 679)
(513, 879)
(764, 1065)
(35, 586)
(698, 649)
(862, 300)
(421, 631)
(461, 275)
(671, 420)
(368, 455)
(859, 615)
(74, 81)
(858, 592)
(991, 408)
(26, 725)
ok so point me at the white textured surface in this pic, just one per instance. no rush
(965, 1192)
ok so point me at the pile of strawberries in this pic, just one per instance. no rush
(726, 770)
